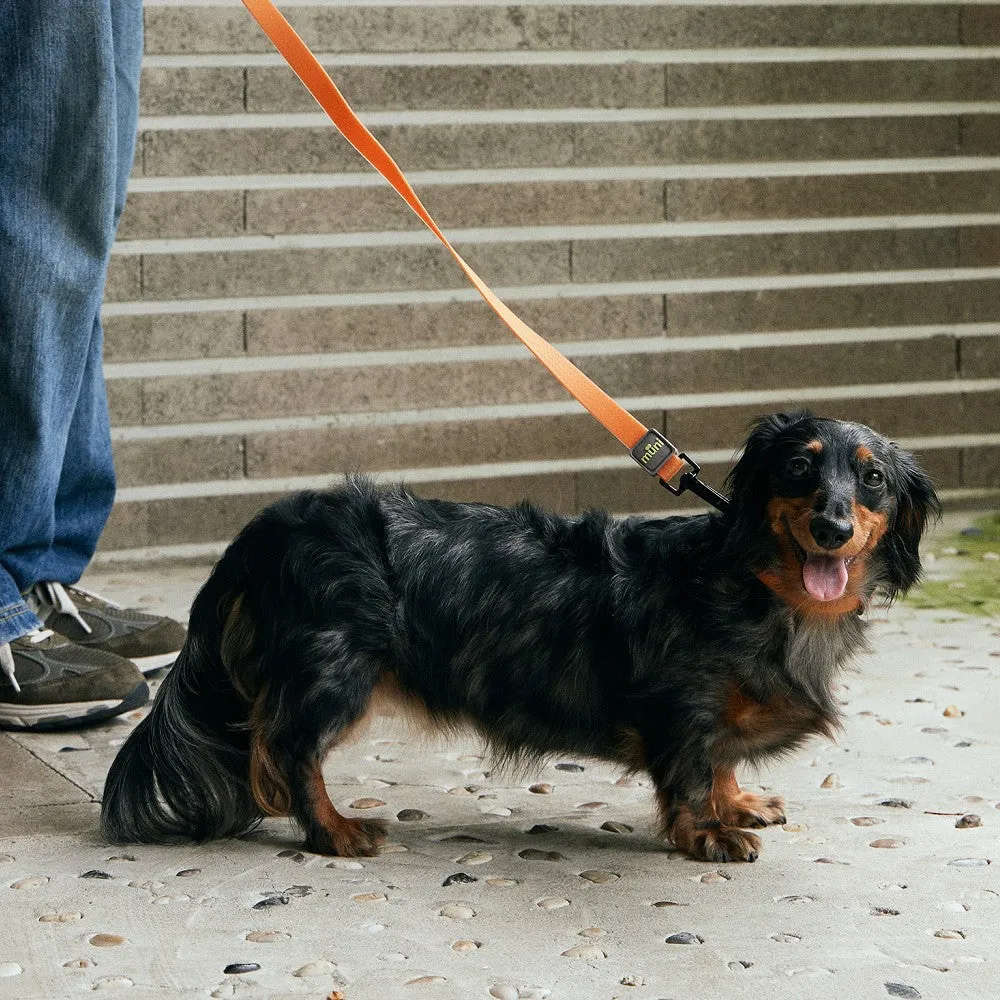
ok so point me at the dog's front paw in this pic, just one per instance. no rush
(725, 843)
(706, 839)
(351, 838)
(749, 811)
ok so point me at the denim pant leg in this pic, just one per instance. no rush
(68, 82)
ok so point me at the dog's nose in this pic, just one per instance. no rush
(830, 533)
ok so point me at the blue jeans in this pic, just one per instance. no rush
(69, 80)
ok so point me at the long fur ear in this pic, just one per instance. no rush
(743, 484)
(917, 504)
(748, 490)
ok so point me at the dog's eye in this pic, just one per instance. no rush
(798, 467)
(874, 478)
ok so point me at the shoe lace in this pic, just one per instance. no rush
(35, 636)
(50, 594)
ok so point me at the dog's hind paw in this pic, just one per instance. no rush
(351, 838)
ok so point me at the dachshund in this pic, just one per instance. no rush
(679, 646)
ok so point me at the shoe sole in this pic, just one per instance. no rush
(147, 664)
(70, 715)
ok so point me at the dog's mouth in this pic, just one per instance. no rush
(824, 576)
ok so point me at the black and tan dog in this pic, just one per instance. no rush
(680, 646)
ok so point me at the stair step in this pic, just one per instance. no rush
(240, 395)
(865, 303)
(330, 450)
(185, 214)
(315, 147)
(290, 271)
(176, 90)
(429, 27)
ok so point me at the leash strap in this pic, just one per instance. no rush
(648, 447)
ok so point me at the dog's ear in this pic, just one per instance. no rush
(746, 482)
(917, 505)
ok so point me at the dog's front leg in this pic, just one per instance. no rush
(690, 817)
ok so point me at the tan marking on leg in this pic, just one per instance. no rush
(268, 785)
(344, 837)
(735, 807)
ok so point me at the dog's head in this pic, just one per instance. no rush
(828, 512)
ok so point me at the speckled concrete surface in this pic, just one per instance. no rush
(875, 888)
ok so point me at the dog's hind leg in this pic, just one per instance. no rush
(327, 831)
(293, 728)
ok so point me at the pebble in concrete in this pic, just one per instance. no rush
(474, 858)
(31, 882)
(457, 911)
(684, 937)
(902, 990)
(239, 968)
(106, 940)
(112, 983)
(321, 967)
(459, 878)
(611, 826)
(599, 877)
(590, 951)
(268, 937)
(410, 815)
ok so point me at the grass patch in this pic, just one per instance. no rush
(962, 571)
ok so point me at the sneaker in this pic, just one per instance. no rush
(48, 682)
(90, 620)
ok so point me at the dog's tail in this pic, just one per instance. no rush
(184, 773)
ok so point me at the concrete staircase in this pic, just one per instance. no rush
(715, 209)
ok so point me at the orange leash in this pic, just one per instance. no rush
(648, 447)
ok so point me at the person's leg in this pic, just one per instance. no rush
(87, 481)
(58, 176)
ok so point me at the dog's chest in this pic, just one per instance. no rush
(757, 724)
(752, 729)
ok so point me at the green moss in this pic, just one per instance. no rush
(958, 577)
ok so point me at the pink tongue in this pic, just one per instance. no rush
(824, 577)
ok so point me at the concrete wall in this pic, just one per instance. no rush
(717, 209)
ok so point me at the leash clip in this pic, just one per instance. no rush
(690, 481)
